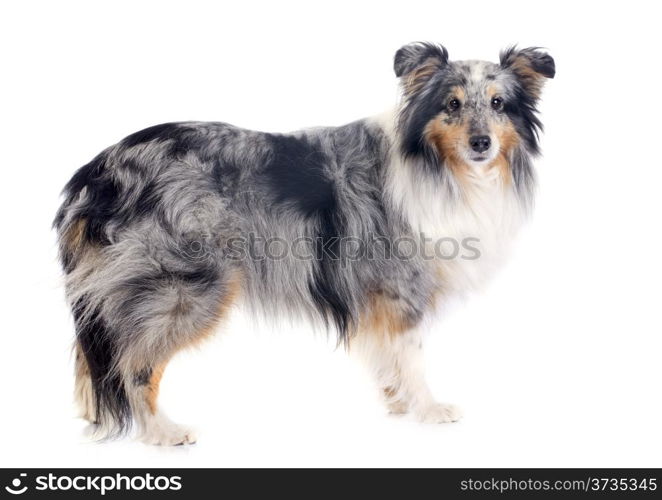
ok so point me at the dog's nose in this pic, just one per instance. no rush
(479, 143)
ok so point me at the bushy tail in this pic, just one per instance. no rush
(100, 388)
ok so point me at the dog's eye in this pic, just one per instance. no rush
(453, 105)
(497, 103)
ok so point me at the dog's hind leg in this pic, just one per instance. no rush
(154, 426)
(132, 315)
(191, 320)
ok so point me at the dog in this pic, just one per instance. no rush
(162, 233)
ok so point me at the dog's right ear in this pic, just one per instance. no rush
(415, 55)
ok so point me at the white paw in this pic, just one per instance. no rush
(162, 432)
(438, 413)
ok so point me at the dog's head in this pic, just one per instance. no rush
(469, 113)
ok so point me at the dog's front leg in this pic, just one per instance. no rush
(396, 359)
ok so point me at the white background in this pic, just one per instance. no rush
(556, 364)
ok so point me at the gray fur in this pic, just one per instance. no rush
(162, 210)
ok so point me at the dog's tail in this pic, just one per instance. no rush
(89, 199)
(100, 388)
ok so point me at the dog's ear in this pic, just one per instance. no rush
(418, 54)
(531, 66)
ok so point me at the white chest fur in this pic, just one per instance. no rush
(468, 228)
(480, 217)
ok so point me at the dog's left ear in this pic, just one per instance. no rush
(531, 66)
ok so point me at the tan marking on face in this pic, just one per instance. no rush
(508, 140)
(458, 93)
(449, 139)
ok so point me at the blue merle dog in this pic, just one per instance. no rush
(162, 233)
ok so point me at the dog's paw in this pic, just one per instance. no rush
(168, 434)
(438, 413)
